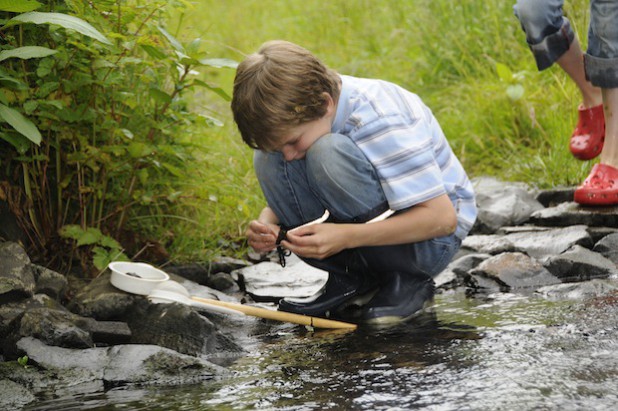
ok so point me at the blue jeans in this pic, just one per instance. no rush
(549, 35)
(336, 176)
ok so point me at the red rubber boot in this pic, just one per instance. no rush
(587, 139)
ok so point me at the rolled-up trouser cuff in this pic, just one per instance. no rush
(601, 72)
(553, 46)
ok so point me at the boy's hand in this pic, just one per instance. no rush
(317, 241)
(262, 236)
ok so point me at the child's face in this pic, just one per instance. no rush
(298, 139)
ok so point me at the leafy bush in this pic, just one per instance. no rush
(95, 130)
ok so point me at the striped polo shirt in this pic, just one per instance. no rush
(402, 139)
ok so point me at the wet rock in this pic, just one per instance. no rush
(534, 241)
(580, 264)
(49, 282)
(578, 291)
(553, 197)
(16, 276)
(463, 265)
(502, 204)
(487, 244)
(180, 328)
(514, 271)
(53, 326)
(223, 282)
(542, 243)
(120, 364)
(608, 247)
(14, 396)
(102, 301)
(447, 280)
(568, 214)
(106, 332)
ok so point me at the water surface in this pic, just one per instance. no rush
(486, 352)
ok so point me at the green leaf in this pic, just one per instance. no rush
(109, 242)
(219, 63)
(154, 52)
(504, 72)
(27, 52)
(138, 150)
(101, 257)
(60, 19)
(19, 6)
(88, 236)
(210, 121)
(175, 43)
(515, 92)
(160, 95)
(21, 143)
(30, 106)
(20, 123)
(217, 90)
(18, 84)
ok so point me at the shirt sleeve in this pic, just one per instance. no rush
(402, 150)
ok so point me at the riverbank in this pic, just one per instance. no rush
(525, 242)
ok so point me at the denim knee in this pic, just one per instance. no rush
(344, 179)
(548, 32)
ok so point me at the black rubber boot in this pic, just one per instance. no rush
(349, 282)
(401, 296)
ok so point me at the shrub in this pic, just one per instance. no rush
(95, 130)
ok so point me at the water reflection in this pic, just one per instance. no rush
(487, 352)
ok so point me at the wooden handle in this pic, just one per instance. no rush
(277, 315)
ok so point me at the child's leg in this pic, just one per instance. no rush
(406, 283)
(551, 39)
(334, 176)
(601, 61)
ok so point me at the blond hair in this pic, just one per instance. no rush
(279, 87)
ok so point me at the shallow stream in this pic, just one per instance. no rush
(486, 352)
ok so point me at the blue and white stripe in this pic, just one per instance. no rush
(404, 142)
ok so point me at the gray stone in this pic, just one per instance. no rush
(579, 264)
(16, 277)
(463, 265)
(568, 214)
(578, 291)
(49, 282)
(106, 332)
(180, 328)
(121, 364)
(14, 396)
(501, 204)
(515, 271)
(102, 301)
(553, 197)
(487, 244)
(540, 244)
(608, 247)
(52, 326)
(447, 280)
(222, 282)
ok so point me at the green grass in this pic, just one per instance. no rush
(445, 51)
